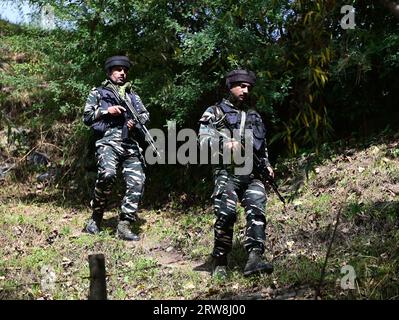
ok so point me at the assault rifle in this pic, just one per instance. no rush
(139, 120)
(265, 176)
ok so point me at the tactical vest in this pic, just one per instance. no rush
(108, 99)
(253, 122)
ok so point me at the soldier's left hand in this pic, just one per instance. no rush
(130, 124)
(271, 172)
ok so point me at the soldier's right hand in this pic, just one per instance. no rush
(116, 110)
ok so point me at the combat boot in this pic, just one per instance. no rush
(219, 267)
(93, 225)
(255, 264)
(123, 231)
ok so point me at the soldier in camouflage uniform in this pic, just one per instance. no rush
(233, 113)
(106, 116)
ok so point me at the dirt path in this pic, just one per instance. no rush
(169, 257)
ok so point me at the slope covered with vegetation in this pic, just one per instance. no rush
(42, 231)
(317, 84)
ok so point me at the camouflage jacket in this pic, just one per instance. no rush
(96, 114)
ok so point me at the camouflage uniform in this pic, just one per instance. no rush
(230, 188)
(112, 151)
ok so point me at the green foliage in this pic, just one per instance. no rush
(315, 80)
(363, 85)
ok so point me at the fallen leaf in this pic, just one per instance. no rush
(189, 286)
(375, 150)
(66, 262)
(384, 255)
(345, 230)
(290, 244)
(235, 286)
(18, 230)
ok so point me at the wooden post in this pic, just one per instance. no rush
(98, 288)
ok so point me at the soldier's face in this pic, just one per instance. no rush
(240, 90)
(118, 74)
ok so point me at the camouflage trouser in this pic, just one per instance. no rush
(251, 192)
(110, 155)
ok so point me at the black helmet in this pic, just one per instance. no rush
(240, 75)
(117, 61)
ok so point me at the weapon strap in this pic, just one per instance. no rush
(242, 124)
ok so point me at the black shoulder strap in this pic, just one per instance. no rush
(113, 91)
(102, 88)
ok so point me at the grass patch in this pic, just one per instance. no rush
(172, 259)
